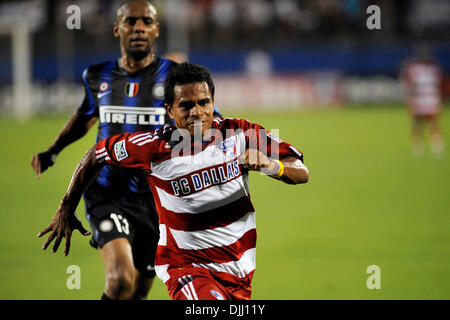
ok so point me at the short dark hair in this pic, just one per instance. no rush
(123, 3)
(185, 73)
(127, 1)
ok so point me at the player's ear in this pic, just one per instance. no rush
(169, 110)
(157, 30)
(116, 30)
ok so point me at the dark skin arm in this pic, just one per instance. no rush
(75, 128)
(64, 221)
(294, 171)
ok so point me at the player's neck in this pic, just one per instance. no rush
(128, 63)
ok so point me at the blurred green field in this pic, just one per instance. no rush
(368, 202)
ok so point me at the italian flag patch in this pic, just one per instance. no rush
(131, 89)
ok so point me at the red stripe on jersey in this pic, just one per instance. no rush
(221, 254)
(219, 217)
(178, 258)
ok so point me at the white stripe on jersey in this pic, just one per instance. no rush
(147, 136)
(100, 150)
(161, 272)
(140, 135)
(101, 155)
(212, 155)
(191, 285)
(218, 120)
(217, 237)
(148, 141)
(189, 291)
(238, 268)
(162, 235)
(296, 151)
(201, 201)
(186, 293)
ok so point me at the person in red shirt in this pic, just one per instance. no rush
(198, 171)
(422, 77)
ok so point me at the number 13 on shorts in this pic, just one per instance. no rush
(120, 222)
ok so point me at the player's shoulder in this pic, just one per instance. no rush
(167, 63)
(95, 69)
(166, 60)
(233, 123)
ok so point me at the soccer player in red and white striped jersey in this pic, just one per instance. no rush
(198, 172)
(422, 77)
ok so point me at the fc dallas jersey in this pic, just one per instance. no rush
(423, 83)
(202, 195)
(125, 102)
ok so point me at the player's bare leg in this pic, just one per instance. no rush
(417, 136)
(142, 285)
(437, 142)
(120, 272)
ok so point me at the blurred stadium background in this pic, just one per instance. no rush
(311, 69)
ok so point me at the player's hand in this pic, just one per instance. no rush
(62, 226)
(255, 160)
(41, 161)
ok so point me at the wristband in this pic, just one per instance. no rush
(278, 170)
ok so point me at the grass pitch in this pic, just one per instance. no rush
(369, 202)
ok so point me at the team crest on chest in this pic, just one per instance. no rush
(229, 148)
(131, 89)
(158, 91)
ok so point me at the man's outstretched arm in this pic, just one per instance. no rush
(75, 128)
(64, 221)
(294, 171)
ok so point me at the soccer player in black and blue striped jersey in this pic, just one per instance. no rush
(124, 95)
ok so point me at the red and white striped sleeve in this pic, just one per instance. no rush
(132, 150)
